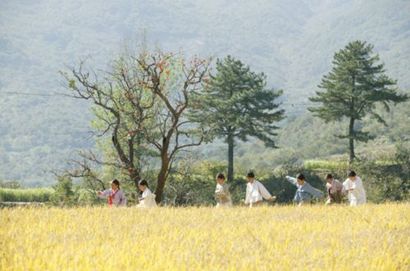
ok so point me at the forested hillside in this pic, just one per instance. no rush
(292, 42)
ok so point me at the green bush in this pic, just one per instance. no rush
(26, 195)
(63, 192)
(193, 183)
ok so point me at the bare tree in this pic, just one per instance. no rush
(143, 103)
(170, 78)
(118, 107)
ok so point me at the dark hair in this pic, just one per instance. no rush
(220, 176)
(250, 174)
(329, 176)
(352, 173)
(116, 182)
(144, 183)
(300, 176)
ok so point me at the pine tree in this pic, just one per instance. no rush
(236, 104)
(353, 88)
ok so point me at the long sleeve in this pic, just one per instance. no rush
(222, 192)
(146, 194)
(248, 194)
(328, 186)
(359, 190)
(356, 193)
(346, 185)
(222, 195)
(291, 180)
(359, 184)
(313, 191)
(335, 187)
(219, 191)
(147, 199)
(105, 193)
(263, 191)
(123, 199)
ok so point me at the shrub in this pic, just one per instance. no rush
(26, 195)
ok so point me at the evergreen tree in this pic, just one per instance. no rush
(236, 104)
(353, 88)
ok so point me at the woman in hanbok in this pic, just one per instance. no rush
(115, 196)
(146, 198)
(334, 190)
(353, 186)
(305, 193)
(256, 191)
(222, 195)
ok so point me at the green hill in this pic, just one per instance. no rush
(291, 41)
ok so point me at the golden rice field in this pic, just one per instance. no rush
(372, 237)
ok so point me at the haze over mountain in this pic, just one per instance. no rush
(292, 42)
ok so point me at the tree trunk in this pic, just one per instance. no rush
(162, 175)
(351, 140)
(230, 157)
(351, 123)
(134, 176)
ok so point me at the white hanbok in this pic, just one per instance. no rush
(356, 193)
(222, 196)
(256, 192)
(147, 199)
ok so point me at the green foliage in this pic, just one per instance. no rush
(236, 102)
(328, 165)
(353, 88)
(289, 41)
(64, 192)
(26, 195)
(85, 197)
(284, 190)
(192, 183)
(141, 104)
(388, 180)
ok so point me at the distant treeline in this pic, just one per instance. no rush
(26, 195)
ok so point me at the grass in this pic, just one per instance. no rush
(329, 165)
(325, 164)
(26, 195)
(371, 237)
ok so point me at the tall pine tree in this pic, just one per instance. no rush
(236, 104)
(353, 88)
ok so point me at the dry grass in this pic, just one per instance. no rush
(372, 237)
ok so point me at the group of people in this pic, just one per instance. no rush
(256, 192)
(116, 197)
